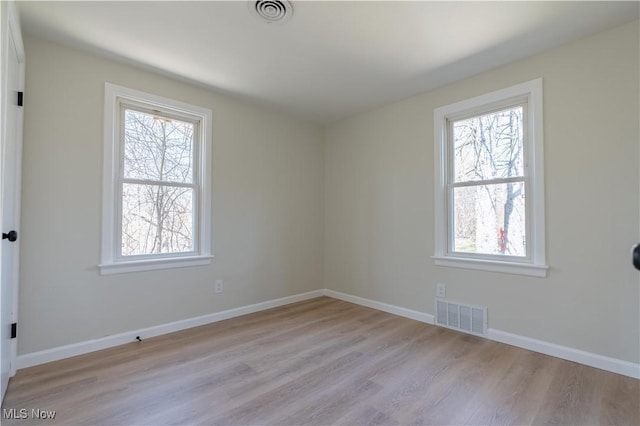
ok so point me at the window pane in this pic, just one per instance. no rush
(157, 148)
(489, 146)
(490, 219)
(156, 219)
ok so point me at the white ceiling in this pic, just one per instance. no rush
(332, 59)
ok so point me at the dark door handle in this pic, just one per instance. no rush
(11, 236)
(636, 256)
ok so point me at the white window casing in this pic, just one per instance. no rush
(111, 259)
(528, 94)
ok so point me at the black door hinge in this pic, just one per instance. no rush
(14, 330)
(20, 96)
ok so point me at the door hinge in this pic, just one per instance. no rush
(20, 96)
(14, 330)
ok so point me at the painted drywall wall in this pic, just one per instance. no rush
(379, 188)
(267, 207)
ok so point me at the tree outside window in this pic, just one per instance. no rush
(156, 199)
(158, 185)
(489, 182)
(488, 191)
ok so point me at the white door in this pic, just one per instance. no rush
(12, 72)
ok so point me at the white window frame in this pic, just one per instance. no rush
(534, 264)
(111, 261)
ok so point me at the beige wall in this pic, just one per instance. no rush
(267, 207)
(379, 217)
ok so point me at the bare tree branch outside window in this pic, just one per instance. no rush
(488, 190)
(158, 184)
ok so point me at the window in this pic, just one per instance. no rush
(156, 194)
(489, 182)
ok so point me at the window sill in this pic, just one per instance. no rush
(527, 269)
(153, 264)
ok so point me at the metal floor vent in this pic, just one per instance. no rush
(467, 318)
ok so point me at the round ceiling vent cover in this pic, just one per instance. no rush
(272, 11)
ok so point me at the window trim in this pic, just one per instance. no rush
(535, 263)
(111, 262)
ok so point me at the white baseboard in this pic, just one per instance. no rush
(67, 351)
(385, 307)
(587, 358)
(602, 362)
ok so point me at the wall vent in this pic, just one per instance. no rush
(461, 317)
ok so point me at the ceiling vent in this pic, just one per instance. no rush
(272, 11)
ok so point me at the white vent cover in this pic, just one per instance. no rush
(272, 11)
(461, 317)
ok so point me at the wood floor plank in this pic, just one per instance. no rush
(619, 401)
(572, 397)
(318, 362)
(518, 391)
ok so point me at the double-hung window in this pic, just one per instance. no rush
(489, 182)
(156, 193)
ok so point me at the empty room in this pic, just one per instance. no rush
(320, 212)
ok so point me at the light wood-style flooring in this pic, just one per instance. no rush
(321, 362)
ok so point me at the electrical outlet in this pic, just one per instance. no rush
(219, 286)
(441, 290)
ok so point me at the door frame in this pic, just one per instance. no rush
(10, 25)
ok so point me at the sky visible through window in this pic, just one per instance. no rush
(488, 195)
(158, 184)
